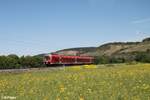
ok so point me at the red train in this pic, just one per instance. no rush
(55, 59)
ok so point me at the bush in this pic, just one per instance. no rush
(13, 61)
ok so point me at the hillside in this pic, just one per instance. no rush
(109, 49)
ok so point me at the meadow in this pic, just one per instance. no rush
(87, 82)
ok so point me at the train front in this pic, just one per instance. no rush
(47, 59)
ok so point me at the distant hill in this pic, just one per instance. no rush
(115, 49)
(77, 51)
(109, 49)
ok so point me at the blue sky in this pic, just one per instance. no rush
(30, 27)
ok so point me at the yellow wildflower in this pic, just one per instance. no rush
(81, 98)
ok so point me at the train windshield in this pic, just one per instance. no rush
(47, 58)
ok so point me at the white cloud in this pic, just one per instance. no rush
(140, 33)
(141, 21)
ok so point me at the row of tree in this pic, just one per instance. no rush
(13, 61)
(143, 57)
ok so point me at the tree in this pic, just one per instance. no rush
(117, 60)
(101, 60)
(3, 60)
(13, 61)
(143, 57)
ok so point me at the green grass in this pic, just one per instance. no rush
(90, 82)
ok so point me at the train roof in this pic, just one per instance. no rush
(68, 55)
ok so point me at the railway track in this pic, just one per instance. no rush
(30, 69)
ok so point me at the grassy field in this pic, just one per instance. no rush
(88, 82)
